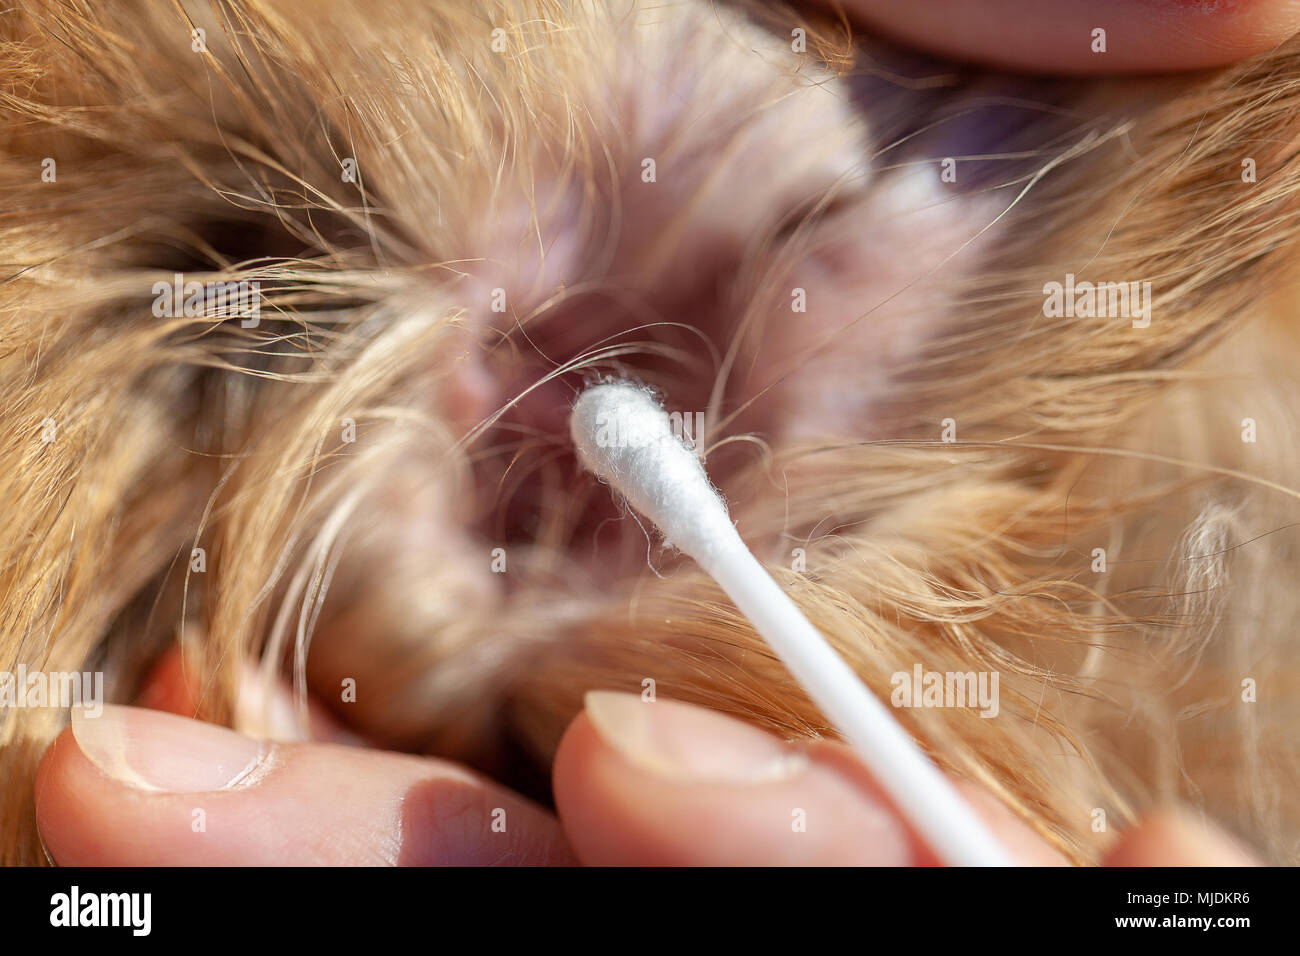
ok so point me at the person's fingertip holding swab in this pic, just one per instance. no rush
(624, 437)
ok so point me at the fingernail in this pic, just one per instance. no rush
(151, 750)
(690, 744)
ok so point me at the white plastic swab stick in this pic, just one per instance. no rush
(624, 437)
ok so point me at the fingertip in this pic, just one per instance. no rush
(52, 790)
(1174, 837)
(1068, 37)
(668, 783)
(136, 787)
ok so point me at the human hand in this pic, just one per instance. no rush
(635, 783)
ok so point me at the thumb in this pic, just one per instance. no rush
(140, 787)
(671, 784)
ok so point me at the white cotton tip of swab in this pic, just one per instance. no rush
(624, 437)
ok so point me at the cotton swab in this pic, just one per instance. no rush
(624, 437)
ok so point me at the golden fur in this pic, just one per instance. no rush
(520, 170)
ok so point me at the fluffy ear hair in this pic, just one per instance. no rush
(1190, 184)
(978, 554)
(113, 176)
(142, 140)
